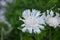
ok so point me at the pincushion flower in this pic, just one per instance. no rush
(52, 20)
(32, 21)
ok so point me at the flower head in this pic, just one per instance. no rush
(32, 21)
(3, 3)
(51, 19)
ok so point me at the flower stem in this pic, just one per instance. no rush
(21, 36)
(1, 33)
(50, 34)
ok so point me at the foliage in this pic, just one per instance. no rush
(15, 10)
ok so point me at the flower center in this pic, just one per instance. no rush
(30, 21)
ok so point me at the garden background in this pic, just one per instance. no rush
(15, 9)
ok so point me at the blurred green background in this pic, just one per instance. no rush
(15, 10)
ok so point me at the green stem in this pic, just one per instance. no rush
(53, 7)
(1, 33)
(21, 36)
(50, 34)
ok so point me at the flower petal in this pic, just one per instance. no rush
(51, 13)
(37, 30)
(42, 21)
(22, 25)
(21, 19)
(57, 15)
(24, 29)
(33, 13)
(43, 16)
(38, 13)
(47, 12)
(41, 27)
(26, 13)
(30, 30)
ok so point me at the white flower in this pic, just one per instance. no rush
(3, 18)
(3, 3)
(52, 21)
(32, 21)
(2, 11)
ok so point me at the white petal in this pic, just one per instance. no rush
(41, 27)
(36, 25)
(22, 25)
(51, 13)
(57, 14)
(26, 13)
(38, 13)
(21, 19)
(33, 13)
(24, 29)
(43, 16)
(47, 12)
(37, 30)
(42, 21)
(30, 30)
